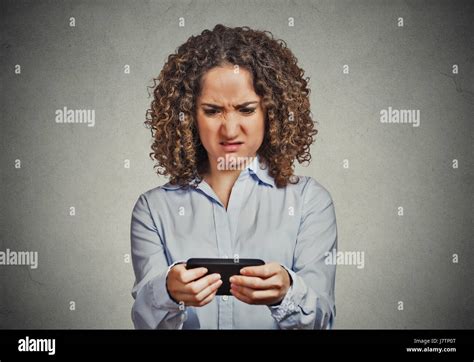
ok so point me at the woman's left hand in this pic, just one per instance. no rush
(264, 284)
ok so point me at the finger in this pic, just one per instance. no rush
(252, 282)
(207, 300)
(241, 297)
(187, 299)
(274, 282)
(256, 295)
(191, 300)
(262, 271)
(188, 276)
(199, 285)
(204, 294)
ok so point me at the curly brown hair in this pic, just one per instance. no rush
(277, 79)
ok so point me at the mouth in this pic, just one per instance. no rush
(231, 143)
(231, 146)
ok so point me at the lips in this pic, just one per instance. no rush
(231, 146)
(231, 143)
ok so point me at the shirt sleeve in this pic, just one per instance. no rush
(153, 307)
(310, 302)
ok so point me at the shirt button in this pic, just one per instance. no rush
(225, 297)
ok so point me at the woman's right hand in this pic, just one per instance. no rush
(190, 287)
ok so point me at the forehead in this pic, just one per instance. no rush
(224, 85)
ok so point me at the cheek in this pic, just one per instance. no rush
(256, 127)
(207, 129)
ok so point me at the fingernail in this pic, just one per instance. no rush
(231, 279)
(217, 276)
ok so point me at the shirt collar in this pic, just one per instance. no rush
(259, 170)
(255, 168)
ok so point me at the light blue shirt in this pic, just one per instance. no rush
(294, 226)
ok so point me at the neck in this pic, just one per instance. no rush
(224, 178)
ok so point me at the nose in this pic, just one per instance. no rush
(230, 126)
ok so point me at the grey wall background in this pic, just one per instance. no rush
(408, 258)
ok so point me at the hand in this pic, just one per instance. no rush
(264, 284)
(190, 287)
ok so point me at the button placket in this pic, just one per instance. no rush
(224, 247)
(226, 225)
(235, 205)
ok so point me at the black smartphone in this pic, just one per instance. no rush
(225, 267)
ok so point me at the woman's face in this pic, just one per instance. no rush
(230, 116)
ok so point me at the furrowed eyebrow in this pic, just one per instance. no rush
(237, 106)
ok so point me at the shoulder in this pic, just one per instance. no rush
(159, 191)
(312, 191)
(158, 194)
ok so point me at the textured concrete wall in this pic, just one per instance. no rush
(422, 258)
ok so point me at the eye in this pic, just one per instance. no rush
(211, 112)
(247, 110)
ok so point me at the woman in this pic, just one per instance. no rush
(230, 115)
